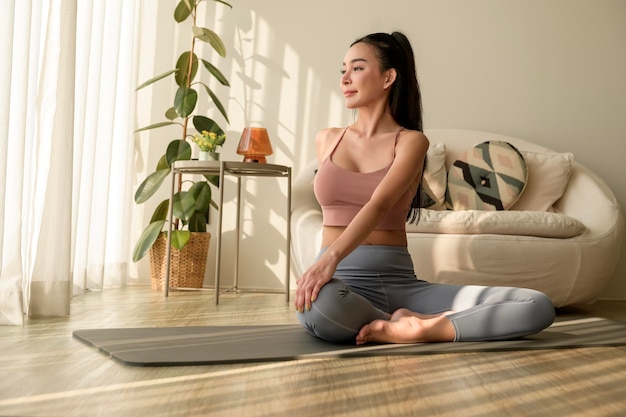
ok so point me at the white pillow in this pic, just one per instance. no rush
(501, 222)
(435, 178)
(548, 175)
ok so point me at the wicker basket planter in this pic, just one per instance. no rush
(187, 266)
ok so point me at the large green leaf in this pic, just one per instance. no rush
(178, 150)
(155, 125)
(182, 69)
(171, 114)
(217, 102)
(201, 192)
(147, 239)
(150, 185)
(184, 205)
(191, 4)
(182, 11)
(204, 123)
(213, 179)
(215, 72)
(197, 222)
(162, 164)
(180, 238)
(185, 101)
(154, 79)
(207, 35)
(161, 212)
(223, 2)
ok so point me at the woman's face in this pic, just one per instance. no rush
(362, 81)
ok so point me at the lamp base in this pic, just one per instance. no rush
(255, 158)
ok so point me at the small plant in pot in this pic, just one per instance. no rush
(209, 143)
(191, 203)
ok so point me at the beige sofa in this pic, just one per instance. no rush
(562, 236)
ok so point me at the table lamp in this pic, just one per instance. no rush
(254, 145)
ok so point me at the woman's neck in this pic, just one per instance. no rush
(370, 124)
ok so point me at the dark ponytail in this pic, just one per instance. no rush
(405, 99)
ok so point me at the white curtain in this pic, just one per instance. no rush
(103, 130)
(66, 98)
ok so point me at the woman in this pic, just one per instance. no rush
(362, 286)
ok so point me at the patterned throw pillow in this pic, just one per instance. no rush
(490, 176)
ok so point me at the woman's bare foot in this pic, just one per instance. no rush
(405, 327)
(405, 312)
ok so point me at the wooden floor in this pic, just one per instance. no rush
(45, 372)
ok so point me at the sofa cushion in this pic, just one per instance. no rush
(434, 180)
(548, 175)
(522, 223)
(489, 176)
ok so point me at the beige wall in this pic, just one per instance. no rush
(550, 71)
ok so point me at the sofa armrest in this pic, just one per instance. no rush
(589, 199)
(306, 219)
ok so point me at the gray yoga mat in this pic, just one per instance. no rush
(208, 345)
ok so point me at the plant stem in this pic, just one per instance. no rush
(189, 71)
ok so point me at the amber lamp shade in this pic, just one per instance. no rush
(254, 145)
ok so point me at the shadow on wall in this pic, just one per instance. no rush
(276, 86)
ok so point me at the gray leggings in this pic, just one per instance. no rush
(374, 280)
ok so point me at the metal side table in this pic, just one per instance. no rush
(238, 170)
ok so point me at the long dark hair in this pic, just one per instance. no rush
(405, 99)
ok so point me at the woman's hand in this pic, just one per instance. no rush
(312, 281)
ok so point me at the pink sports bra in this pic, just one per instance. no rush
(342, 193)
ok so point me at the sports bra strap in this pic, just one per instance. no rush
(336, 143)
(395, 142)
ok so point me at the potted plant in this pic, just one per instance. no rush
(209, 142)
(191, 204)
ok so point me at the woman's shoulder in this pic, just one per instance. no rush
(328, 136)
(414, 138)
(330, 133)
(326, 140)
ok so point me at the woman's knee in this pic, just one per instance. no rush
(543, 309)
(324, 319)
(332, 298)
(540, 311)
(337, 314)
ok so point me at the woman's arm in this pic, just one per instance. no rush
(410, 153)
